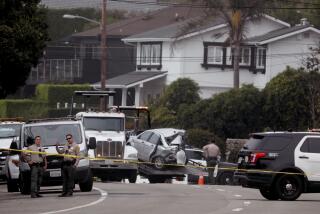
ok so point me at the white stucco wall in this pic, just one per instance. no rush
(289, 52)
(183, 58)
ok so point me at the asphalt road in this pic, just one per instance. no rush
(120, 198)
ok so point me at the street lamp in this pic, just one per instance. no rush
(103, 47)
(69, 16)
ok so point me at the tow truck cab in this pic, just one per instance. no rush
(108, 128)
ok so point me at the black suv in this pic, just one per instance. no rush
(282, 165)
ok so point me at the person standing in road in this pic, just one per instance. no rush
(70, 162)
(38, 164)
(211, 152)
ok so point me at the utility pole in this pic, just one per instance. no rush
(103, 53)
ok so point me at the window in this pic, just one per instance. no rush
(150, 54)
(311, 145)
(145, 136)
(154, 139)
(244, 56)
(92, 51)
(261, 58)
(215, 55)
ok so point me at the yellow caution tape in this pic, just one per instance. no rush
(129, 161)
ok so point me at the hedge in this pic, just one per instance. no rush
(59, 93)
(25, 108)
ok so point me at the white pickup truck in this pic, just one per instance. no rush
(9, 129)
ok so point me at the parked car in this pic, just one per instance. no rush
(282, 165)
(9, 129)
(223, 173)
(160, 146)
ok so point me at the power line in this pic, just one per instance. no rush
(205, 6)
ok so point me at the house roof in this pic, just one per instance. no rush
(132, 79)
(146, 22)
(187, 28)
(175, 30)
(281, 33)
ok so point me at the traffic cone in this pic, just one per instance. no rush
(201, 180)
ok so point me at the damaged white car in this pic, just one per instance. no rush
(162, 147)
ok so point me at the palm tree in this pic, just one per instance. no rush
(236, 14)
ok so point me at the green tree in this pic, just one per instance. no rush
(181, 91)
(23, 34)
(236, 113)
(287, 101)
(200, 137)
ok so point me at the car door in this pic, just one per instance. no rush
(307, 157)
(139, 143)
(151, 145)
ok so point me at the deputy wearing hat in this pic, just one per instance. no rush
(70, 162)
(38, 163)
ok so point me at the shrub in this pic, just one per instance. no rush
(25, 108)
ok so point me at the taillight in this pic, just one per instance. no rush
(254, 157)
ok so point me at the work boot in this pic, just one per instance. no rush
(63, 194)
(69, 194)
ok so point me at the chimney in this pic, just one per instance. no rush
(304, 21)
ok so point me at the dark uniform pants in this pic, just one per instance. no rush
(68, 174)
(211, 163)
(36, 178)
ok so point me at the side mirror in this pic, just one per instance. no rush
(92, 143)
(14, 146)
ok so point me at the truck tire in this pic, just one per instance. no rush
(12, 185)
(269, 193)
(24, 183)
(87, 185)
(289, 187)
(132, 177)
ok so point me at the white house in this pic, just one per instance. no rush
(202, 53)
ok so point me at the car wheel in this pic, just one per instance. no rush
(87, 185)
(226, 178)
(269, 193)
(289, 187)
(159, 162)
(12, 185)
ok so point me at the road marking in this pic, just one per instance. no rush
(103, 194)
(246, 203)
(238, 196)
(221, 190)
(237, 209)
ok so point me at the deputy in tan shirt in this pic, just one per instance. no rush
(38, 163)
(69, 165)
(211, 152)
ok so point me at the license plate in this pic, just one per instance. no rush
(108, 162)
(56, 173)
